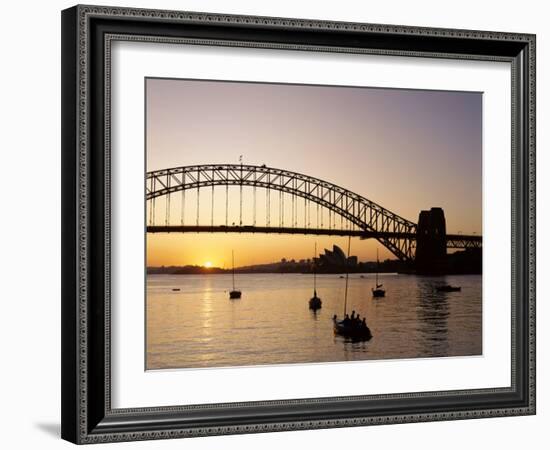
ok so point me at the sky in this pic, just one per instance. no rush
(407, 150)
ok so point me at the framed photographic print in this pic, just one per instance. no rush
(281, 224)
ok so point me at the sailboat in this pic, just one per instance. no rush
(234, 294)
(315, 302)
(351, 328)
(378, 291)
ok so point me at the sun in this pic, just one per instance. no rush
(208, 264)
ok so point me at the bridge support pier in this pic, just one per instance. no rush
(431, 243)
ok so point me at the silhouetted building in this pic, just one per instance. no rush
(335, 260)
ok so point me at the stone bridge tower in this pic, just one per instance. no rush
(431, 242)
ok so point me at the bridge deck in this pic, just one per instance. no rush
(453, 240)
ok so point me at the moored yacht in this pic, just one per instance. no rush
(351, 327)
(378, 290)
(235, 293)
(315, 302)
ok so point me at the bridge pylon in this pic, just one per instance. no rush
(431, 242)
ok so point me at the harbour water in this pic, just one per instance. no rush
(199, 326)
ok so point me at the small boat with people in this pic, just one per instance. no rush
(315, 302)
(354, 327)
(234, 293)
(378, 290)
(448, 288)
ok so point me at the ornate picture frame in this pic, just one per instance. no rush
(87, 35)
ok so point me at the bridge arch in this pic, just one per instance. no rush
(360, 211)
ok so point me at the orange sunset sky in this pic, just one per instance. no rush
(406, 150)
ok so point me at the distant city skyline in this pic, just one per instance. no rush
(319, 256)
(407, 150)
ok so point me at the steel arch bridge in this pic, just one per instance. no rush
(371, 220)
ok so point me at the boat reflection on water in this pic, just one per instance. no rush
(433, 311)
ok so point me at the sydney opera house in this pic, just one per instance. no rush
(335, 259)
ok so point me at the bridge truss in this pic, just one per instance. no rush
(367, 219)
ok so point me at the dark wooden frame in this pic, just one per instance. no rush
(87, 415)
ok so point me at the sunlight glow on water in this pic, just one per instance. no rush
(271, 324)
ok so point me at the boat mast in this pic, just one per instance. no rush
(314, 272)
(377, 263)
(347, 277)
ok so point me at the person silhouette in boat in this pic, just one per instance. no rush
(347, 320)
(364, 323)
(353, 315)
